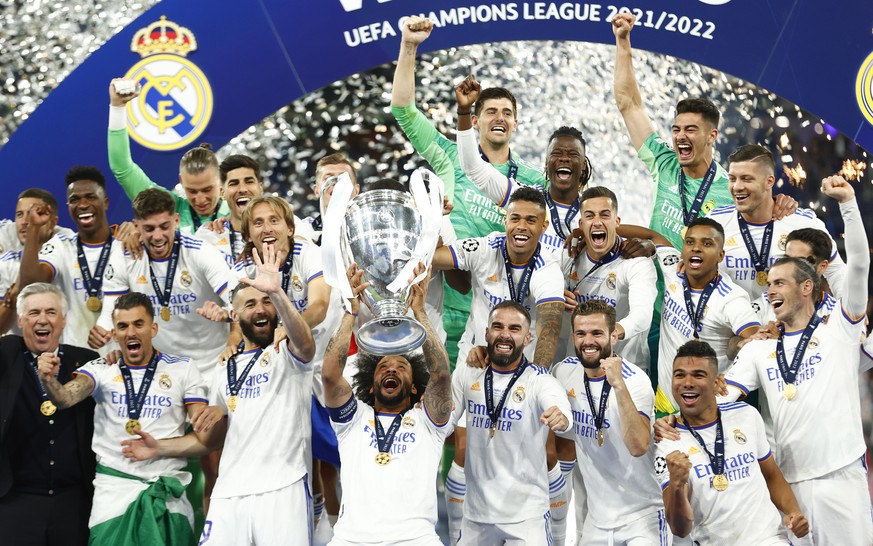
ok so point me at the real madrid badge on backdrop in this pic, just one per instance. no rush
(175, 102)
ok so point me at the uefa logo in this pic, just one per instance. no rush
(175, 102)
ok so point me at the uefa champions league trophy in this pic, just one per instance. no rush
(381, 231)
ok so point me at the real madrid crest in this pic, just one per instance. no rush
(408, 422)
(175, 102)
(739, 437)
(185, 278)
(610, 281)
(813, 342)
(265, 359)
(296, 284)
(783, 240)
(518, 395)
(708, 206)
(165, 382)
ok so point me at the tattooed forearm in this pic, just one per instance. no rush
(438, 393)
(549, 317)
(65, 396)
(336, 389)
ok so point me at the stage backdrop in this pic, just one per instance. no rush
(210, 69)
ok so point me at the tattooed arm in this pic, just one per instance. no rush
(438, 393)
(69, 394)
(337, 390)
(549, 317)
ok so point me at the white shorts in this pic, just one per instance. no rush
(837, 506)
(529, 532)
(649, 530)
(426, 541)
(283, 516)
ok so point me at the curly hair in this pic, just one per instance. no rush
(362, 381)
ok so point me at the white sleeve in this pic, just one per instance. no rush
(867, 354)
(739, 312)
(495, 186)
(551, 393)
(662, 449)
(642, 292)
(465, 252)
(52, 254)
(216, 398)
(217, 272)
(458, 402)
(668, 258)
(195, 386)
(114, 286)
(643, 397)
(762, 446)
(549, 284)
(743, 373)
(858, 256)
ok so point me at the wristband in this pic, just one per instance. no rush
(467, 113)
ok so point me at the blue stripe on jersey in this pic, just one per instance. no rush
(195, 400)
(120, 293)
(737, 385)
(728, 406)
(505, 194)
(454, 257)
(646, 415)
(315, 276)
(665, 486)
(744, 327)
(11, 256)
(539, 369)
(850, 319)
(87, 374)
(626, 371)
(496, 242)
(297, 358)
(725, 209)
(221, 289)
(173, 359)
(570, 360)
(806, 213)
(549, 300)
(765, 457)
(664, 539)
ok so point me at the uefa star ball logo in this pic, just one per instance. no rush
(175, 102)
(864, 88)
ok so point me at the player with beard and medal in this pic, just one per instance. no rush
(719, 479)
(511, 406)
(391, 426)
(754, 236)
(262, 493)
(700, 303)
(613, 409)
(79, 264)
(144, 391)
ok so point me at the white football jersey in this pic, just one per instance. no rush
(727, 314)
(9, 235)
(224, 241)
(483, 258)
(407, 502)
(737, 262)
(743, 513)
(61, 254)
(621, 488)
(176, 383)
(512, 464)
(819, 431)
(628, 286)
(268, 435)
(498, 187)
(201, 275)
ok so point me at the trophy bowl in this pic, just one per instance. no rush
(380, 233)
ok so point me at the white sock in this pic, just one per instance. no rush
(456, 490)
(559, 501)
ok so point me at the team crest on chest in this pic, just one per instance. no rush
(266, 357)
(739, 437)
(610, 281)
(408, 422)
(296, 284)
(708, 206)
(165, 382)
(518, 395)
(185, 278)
(813, 342)
(783, 240)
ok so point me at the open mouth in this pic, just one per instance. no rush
(690, 398)
(520, 240)
(261, 322)
(740, 197)
(269, 240)
(590, 351)
(504, 347)
(86, 218)
(598, 237)
(134, 348)
(563, 174)
(695, 262)
(685, 151)
(498, 129)
(390, 384)
(42, 334)
(241, 202)
(776, 302)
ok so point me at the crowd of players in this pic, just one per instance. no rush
(205, 328)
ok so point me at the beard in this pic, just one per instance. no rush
(605, 352)
(500, 360)
(261, 339)
(402, 395)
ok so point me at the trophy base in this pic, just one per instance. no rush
(390, 335)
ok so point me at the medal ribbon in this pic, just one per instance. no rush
(513, 167)
(232, 238)
(524, 282)
(286, 268)
(135, 400)
(196, 217)
(34, 368)
(385, 439)
(93, 283)
(556, 219)
(690, 215)
(235, 383)
(494, 412)
(605, 259)
(696, 315)
(789, 373)
(604, 398)
(164, 295)
(715, 459)
(759, 260)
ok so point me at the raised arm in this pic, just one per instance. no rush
(677, 495)
(414, 31)
(131, 177)
(438, 393)
(337, 390)
(549, 318)
(69, 394)
(857, 249)
(39, 221)
(627, 92)
(635, 427)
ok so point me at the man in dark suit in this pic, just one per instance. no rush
(46, 462)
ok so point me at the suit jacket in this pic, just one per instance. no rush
(12, 370)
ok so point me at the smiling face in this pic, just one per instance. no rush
(21, 213)
(496, 121)
(751, 185)
(392, 383)
(42, 322)
(87, 204)
(507, 335)
(202, 189)
(592, 340)
(133, 331)
(268, 226)
(694, 387)
(702, 251)
(240, 186)
(565, 163)
(257, 315)
(693, 138)
(157, 232)
(784, 293)
(599, 221)
(525, 222)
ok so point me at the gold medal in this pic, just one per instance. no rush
(131, 425)
(599, 438)
(232, 402)
(493, 431)
(790, 391)
(47, 408)
(720, 482)
(382, 458)
(94, 304)
(761, 278)
(165, 313)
